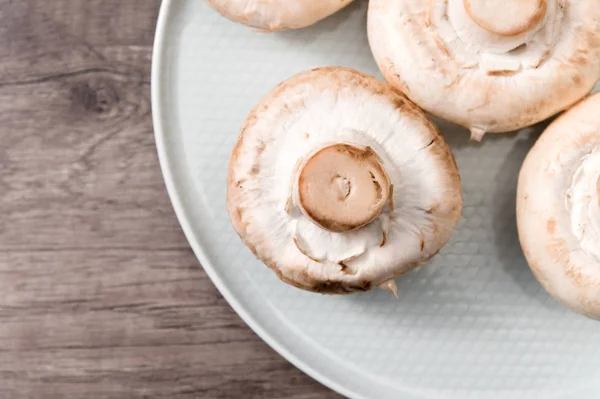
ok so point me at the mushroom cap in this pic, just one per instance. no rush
(291, 132)
(558, 208)
(276, 15)
(491, 66)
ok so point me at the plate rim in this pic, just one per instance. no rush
(156, 89)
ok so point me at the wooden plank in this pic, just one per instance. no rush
(79, 166)
(128, 323)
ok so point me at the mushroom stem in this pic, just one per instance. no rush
(342, 187)
(506, 17)
(390, 285)
(477, 133)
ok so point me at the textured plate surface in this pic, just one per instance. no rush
(473, 323)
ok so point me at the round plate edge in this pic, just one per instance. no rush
(174, 195)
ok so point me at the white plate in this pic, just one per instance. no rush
(473, 323)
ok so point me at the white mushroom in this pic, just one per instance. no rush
(558, 208)
(488, 65)
(276, 15)
(339, 184)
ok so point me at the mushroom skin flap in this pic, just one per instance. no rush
(339, 184)
(277, 15)
(491, 66)
(558, 208)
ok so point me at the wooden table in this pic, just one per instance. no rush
(100, 295)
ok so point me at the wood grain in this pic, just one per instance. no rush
(100, 296)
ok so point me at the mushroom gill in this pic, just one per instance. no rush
(583, 203)
(558, 208)
(346, 206)
(491, 66)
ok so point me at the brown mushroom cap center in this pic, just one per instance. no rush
(506, 17)
(343, 187)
